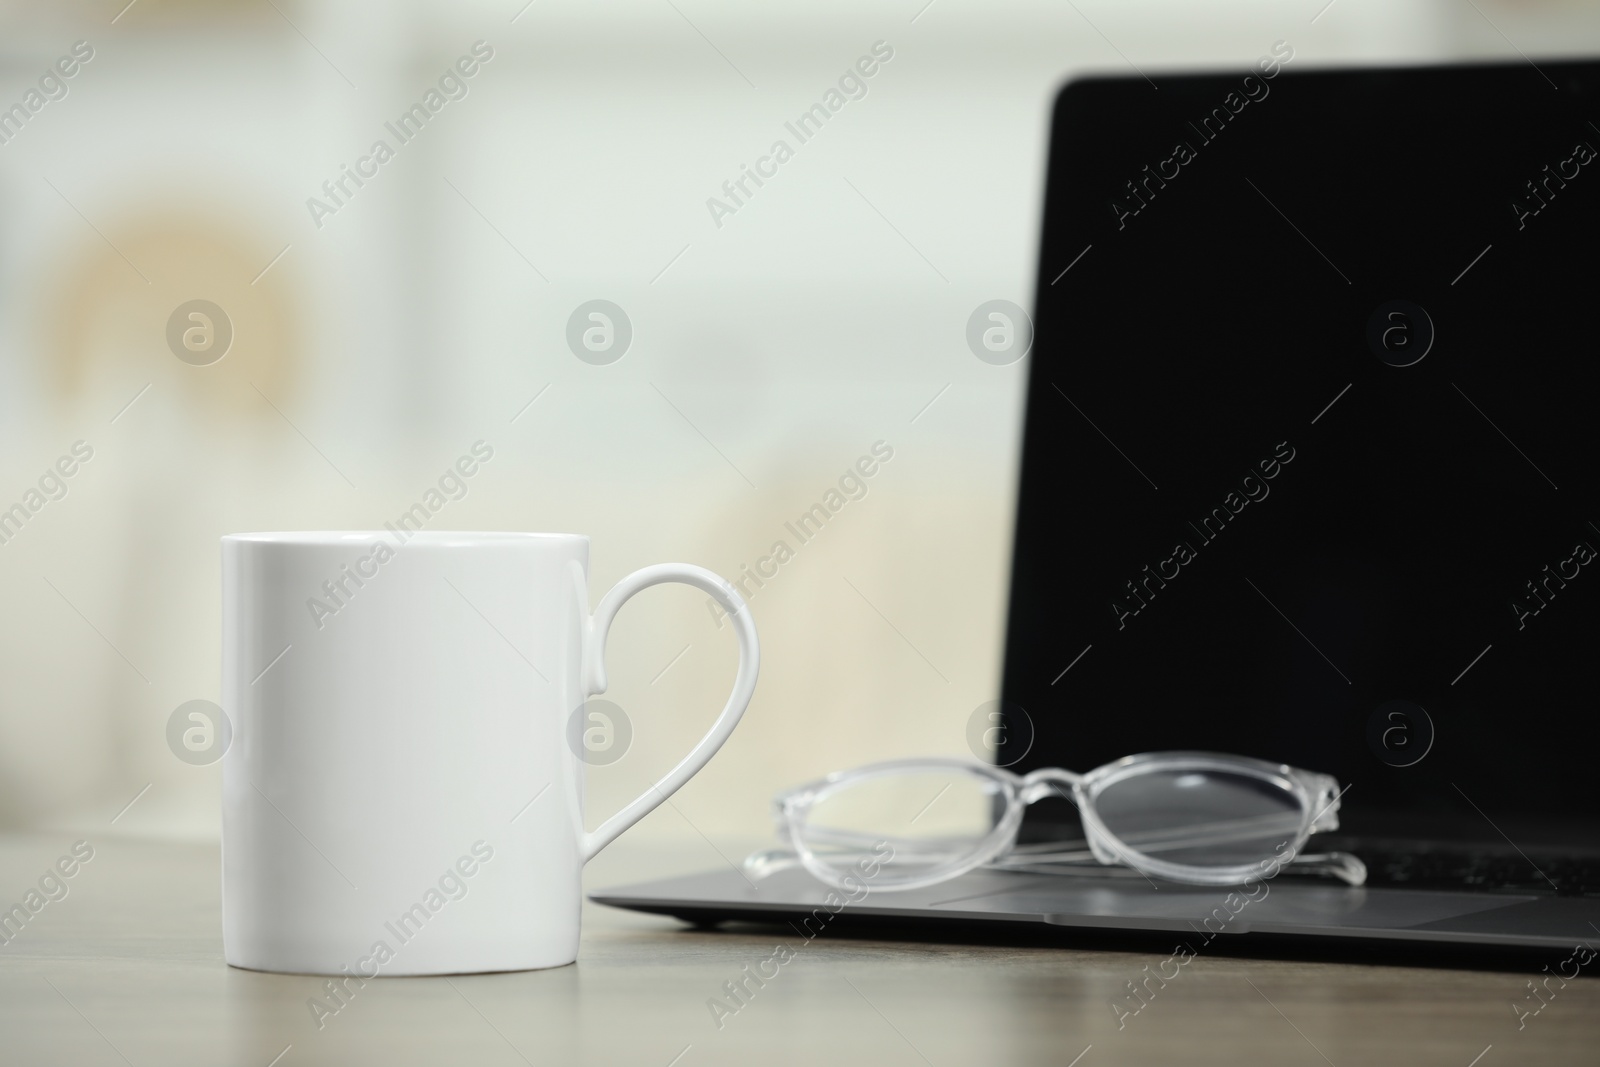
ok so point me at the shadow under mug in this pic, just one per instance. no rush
(400, 796)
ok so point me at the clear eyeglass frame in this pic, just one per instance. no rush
(1314, 809)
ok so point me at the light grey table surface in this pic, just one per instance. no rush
(127, 969)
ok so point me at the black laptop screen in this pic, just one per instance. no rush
(1309, 460)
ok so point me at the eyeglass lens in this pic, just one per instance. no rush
(930, 818)
(1200, 818)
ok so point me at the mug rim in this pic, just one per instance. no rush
(435, 538)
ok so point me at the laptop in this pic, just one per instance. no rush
(1308, 474)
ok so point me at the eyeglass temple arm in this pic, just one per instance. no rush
(1341, 865)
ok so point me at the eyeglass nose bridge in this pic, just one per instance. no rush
(1055, 781)
(1048, 781)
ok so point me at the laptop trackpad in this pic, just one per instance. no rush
(1228, 910)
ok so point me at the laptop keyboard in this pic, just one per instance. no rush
(1483, 872)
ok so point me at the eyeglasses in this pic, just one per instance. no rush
(1199, 818)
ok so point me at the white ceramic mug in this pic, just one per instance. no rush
(399, 795)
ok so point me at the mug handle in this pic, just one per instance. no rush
(744, 683)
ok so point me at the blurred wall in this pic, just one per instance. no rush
(374, 343)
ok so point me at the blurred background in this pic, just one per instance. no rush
(377, 337)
